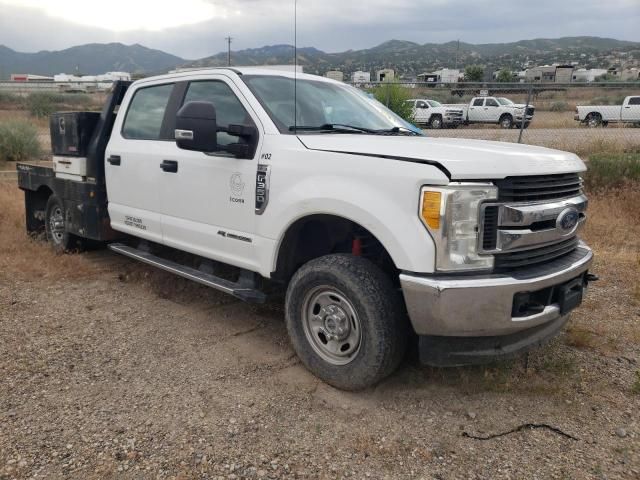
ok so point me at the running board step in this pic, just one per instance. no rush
(242, 292)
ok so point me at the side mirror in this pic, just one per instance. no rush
(196, 127)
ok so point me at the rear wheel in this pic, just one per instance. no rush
(594, 120)
(55, 224)
(346, 321)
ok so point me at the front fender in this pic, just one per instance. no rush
(380, 195)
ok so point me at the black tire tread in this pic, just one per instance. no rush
(377, 294)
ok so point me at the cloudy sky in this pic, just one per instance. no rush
(196, 28)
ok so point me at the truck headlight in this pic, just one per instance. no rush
(451, 215)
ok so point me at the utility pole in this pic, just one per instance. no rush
(457, 52)
(229, 40)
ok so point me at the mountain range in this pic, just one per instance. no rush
(408, 58)
(89, 59)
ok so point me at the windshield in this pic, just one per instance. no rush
(504, 101)
(434, 104)
(322, 104)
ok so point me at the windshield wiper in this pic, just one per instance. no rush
(331, 128)
(343, 128)
(396, 130)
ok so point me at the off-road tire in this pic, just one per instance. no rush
(61, 241)
(380, 311)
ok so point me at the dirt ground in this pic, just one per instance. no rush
(110, 369)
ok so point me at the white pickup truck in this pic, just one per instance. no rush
(432, 114)
(601, 115)
(371, 230)
(496, 110)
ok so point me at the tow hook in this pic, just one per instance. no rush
(591, 277)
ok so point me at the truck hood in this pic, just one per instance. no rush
(460, 159)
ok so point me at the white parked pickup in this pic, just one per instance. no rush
(432, 114)
(497, 110)
(368, 229)
(602, 115)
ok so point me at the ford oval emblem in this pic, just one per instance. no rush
(568, 220)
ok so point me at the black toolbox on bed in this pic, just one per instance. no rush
(71, 132)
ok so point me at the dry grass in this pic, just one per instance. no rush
(610, 308)
(25, 258)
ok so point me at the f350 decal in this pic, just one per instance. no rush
(263, 177)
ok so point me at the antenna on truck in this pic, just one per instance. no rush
(295, 65)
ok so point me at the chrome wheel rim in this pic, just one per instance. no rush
(436, 123)
(331, 325)
(56, 224)
(594, 122)
(506, 123)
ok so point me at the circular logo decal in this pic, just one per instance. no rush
(568, 220)
(236, 184)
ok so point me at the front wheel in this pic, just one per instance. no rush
(346, 321)
(436, 123)
(506, 122)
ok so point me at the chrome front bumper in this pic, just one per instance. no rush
(482, 306)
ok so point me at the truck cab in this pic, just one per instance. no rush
(368, 229)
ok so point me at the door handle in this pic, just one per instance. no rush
(170, 166)
(627, 107)
(114, 160)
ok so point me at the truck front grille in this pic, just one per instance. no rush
(531, 110)
(539, 188)
(520, 228)
(535, 256)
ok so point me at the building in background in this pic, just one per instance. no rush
(624, 74)
(448, 75)
(427, 78)
(385, 75)
(28, 77)
(444, 75)
(335, 75)
(550, 74)
(361, 77)
(588, 75)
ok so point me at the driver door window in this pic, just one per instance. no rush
(491, 103)
(229, 110)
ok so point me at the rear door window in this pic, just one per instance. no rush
(634, 101)
(146, 113)
(478, 102)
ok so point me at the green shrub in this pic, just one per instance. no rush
(8, 99)
(76, 99)
(611, 170)
(42, 104)
(559, 107)
(18, 141)
(395, 97)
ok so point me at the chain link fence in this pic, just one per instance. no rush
(584, 118)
